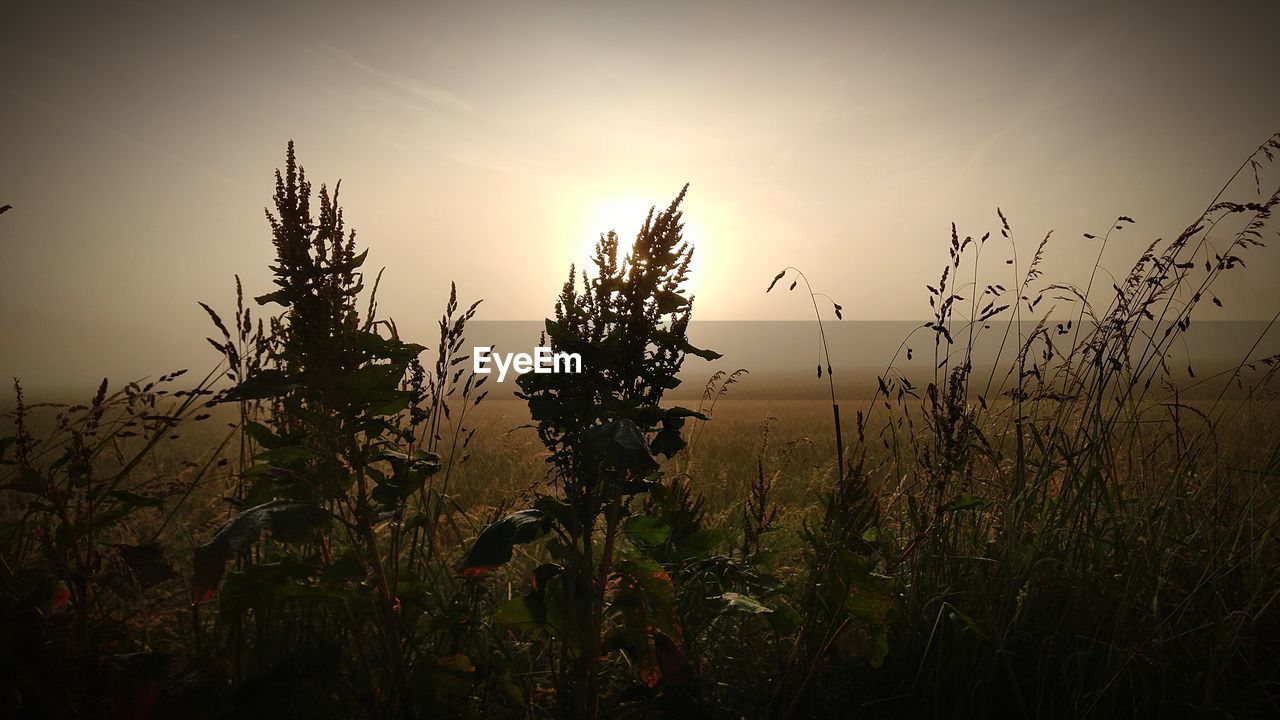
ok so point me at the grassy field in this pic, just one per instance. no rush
(1153, 591)
(337, 522)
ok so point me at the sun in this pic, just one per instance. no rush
(625, 215)
(622, 214)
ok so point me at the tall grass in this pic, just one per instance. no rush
(1058, 535)
(1071, 539)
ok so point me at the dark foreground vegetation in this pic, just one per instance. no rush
(1060, 537)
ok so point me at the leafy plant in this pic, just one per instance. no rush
(343, 422)
(603, 429)
(74, 565)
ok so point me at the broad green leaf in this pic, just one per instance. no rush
(558, 510)
(132, 498)
(744, 603)
(645, 530)
(286, 455)
(518, 614)
(282, 297)
(288, 522)
(262, 384)
(965, 502)
(373, 382)
(871, 605)
(879, 649)
(346, 568)
(623, 446)
(262, 435)
(494, 545)
(784, 619)
(699, 544)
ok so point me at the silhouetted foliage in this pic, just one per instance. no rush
(1065, 537)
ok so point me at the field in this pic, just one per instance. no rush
(1041, 517)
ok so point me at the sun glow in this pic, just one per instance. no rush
(625, 215)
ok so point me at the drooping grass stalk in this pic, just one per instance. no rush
(826, 356)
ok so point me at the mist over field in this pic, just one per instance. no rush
(781, 357)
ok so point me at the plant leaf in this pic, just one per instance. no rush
(493, 547)
(288, 521)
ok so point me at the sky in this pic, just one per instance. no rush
(489, 143)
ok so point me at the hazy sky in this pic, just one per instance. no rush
(488, 143)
